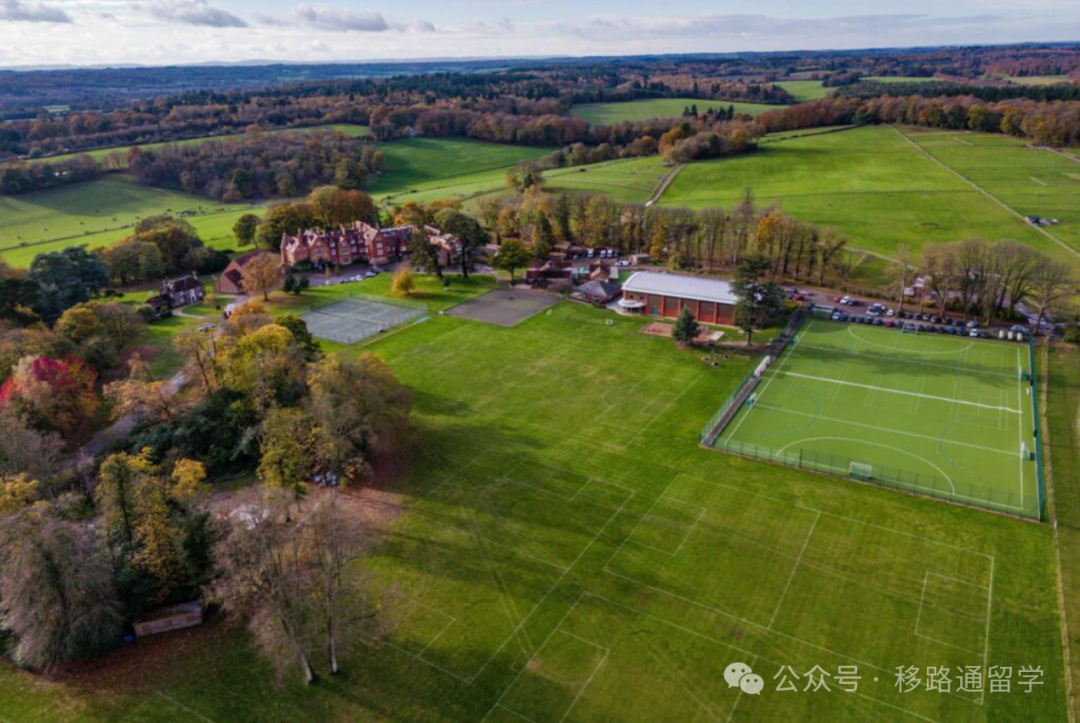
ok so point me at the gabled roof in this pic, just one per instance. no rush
(686, 287)
(598, 289)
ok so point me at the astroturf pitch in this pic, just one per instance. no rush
(941, 415)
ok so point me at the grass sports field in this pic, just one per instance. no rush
(939, 415)
(870, 184)
(641, 110)
(567, 552)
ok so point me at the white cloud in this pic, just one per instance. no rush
(32, 12)
(194, 12)
(322, 17)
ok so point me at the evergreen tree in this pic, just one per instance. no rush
(686, 327)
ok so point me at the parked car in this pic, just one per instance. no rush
(622, 262)
(371, 274)
(972, 324)
(1019, 329)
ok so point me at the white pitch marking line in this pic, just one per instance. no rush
(195, 713)
(794, 569)
(883, 429)
(898, 391)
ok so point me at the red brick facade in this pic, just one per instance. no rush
(707, 312)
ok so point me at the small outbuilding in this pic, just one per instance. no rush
(711, 301)
(597, 292)
(176, 617)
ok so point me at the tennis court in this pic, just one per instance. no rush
(351, 320)
(947, 416)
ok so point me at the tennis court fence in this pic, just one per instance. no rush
(730, 406)
(351, 318)
(928, 485)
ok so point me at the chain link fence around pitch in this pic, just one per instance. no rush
(746, 385)
(353, 318)
(893, 478)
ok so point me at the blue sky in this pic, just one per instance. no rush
(39, 32)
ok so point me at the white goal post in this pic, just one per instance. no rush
(861, 470)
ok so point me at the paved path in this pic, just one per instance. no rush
(664, 183)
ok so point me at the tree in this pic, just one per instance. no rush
(403, 282)
(1053, 284)
(307, 343)
(543, 237)
(467, 230)
(51, 395)
(65, 278)
(244, 229)
(264, 579)
(25, 450)
(348, 604)
(424, 253)
(758, 299)
(285, 461)
(510, 257)
(357, 407)
(686, 327)
(59, 599)
(261, 275)
(16, 492)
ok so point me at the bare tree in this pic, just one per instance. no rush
(264, 580)
(349, 605)
(1053, 284)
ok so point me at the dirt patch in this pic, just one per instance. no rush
(144, 664)
(657, 328)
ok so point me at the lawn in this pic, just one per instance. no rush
(937, 415)
(868, 183)
(569, 552)
(641, 110)
(95, 213)
(1062, 404)
(805, 90)
(1030, 181)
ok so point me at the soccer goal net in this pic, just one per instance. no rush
(910, 329)
(751, 400)
(1025, 453)
(861, 470)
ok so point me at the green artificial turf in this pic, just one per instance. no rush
(870, 184)
(928, 413)
(642, 110)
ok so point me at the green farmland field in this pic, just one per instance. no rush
(414, 162)
(804, 90)
(103, 211)
(870, 184)
(95, 213)
(567, 552)
(1031, 181)
(641, 110)
(629, 181)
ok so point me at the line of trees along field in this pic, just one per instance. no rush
(976, 277)
(1056, 123)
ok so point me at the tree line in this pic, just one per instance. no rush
(257, 165)
(1056, 123)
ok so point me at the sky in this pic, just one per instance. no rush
(157, 32)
